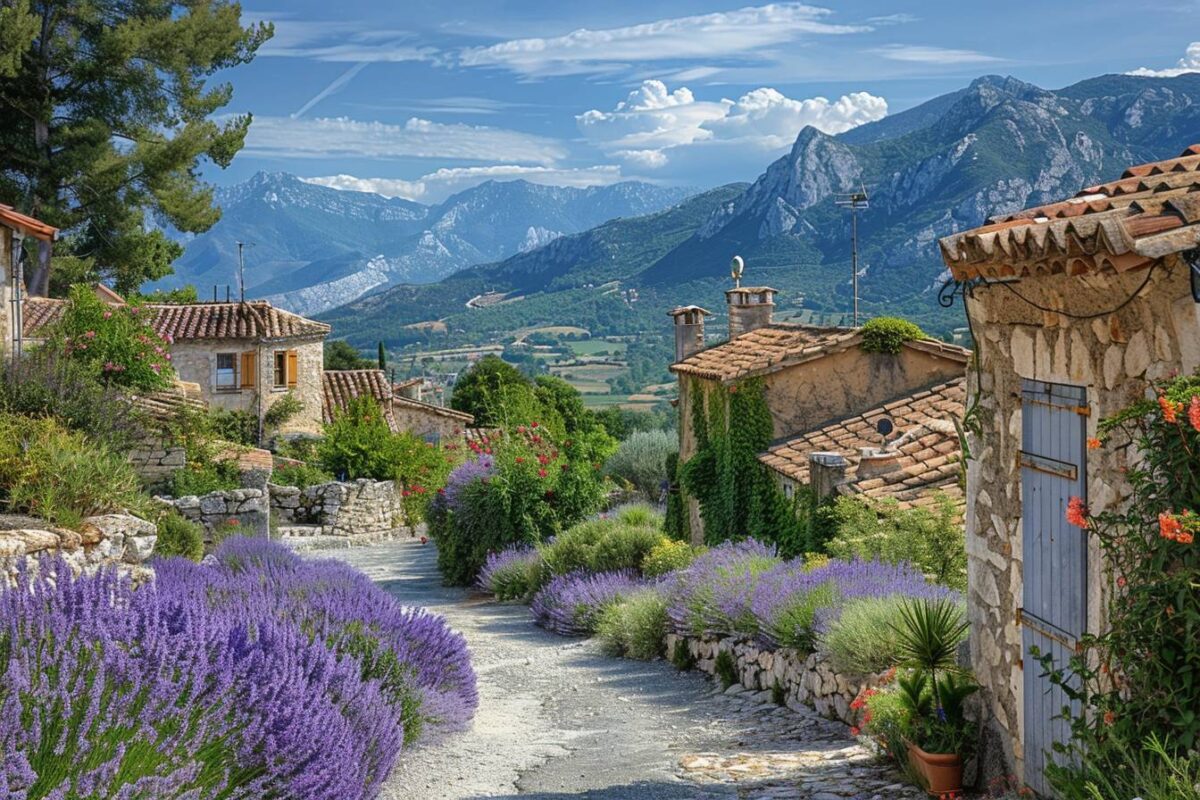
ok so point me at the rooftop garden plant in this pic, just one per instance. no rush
(888, 334)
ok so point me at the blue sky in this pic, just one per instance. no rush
(419, 99)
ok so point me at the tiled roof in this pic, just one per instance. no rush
(252, 320)
(342, 385)
(26, 225)
(925, 442)
(166, 405)
(780, 345)
(1151, 211)
(463, 418)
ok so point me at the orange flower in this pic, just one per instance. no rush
(1169, 526)
(1184, 537)
(1194, 412)
(1094, 444)
(1109, 718)
(1077, 512)
(1169, 408)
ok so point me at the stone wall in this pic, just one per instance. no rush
(102, 540)
(1115, 355)
(249, 507)
(430, 422)
(361, 508)
(155, 460)
(806, 680)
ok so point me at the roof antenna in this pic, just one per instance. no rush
(242, 268)
(736, 267)
(854, 201)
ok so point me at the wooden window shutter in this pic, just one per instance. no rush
(249, 369)
(293, 367)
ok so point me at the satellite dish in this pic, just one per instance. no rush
(736, 267)
(884, 426)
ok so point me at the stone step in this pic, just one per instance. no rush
(298, 531)
(317, 542)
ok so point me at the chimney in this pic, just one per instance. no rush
(689, 330)
(750, 308)
(876, 461)
(826, 472)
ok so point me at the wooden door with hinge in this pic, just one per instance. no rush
(1053, 613)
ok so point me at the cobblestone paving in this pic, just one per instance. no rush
(558, 719)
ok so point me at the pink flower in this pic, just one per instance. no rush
(90, 335)
(107, 315)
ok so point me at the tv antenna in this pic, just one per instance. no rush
(736, 267)
(242, 268)
(854, 201)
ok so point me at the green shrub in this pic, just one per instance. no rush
(725, 669)
(635, 626)
(681, 656)
(178, 536)
(572, 549)
(117, 343)
(888, 334)
(668, 556)
(282, 411)
(932, 540)
(236, 426)
(1120, 770)
(300, 475)
(624, 547)
(60, 475)
(203, 478)
(890, 721)
(641, 461)
(639, 514)
(793, 623)
(358, 442)
(863, 638)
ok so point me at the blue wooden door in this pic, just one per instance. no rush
(1054, 597)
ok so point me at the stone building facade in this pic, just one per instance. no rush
(244, 356)
(1090, 299)
(403, 413)
(813, 377)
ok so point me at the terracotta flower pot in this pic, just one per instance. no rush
(942, 771)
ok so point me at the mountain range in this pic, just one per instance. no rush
(315, 247)
(997, 145)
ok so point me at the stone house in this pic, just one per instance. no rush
(14, 228)
(402, 411)
(816, 379)
(245, 356)
(1076, 307)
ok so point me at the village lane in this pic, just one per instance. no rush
(559, 719)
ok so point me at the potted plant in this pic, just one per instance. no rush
(934, 693)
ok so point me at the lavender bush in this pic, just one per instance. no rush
(263, 676)
(572, 604)
(509, 574)
(713, 595)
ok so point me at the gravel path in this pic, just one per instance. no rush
(558, 719)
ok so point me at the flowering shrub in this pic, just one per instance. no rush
(572, 604)
(509, 574)
(712, 596)
(667, 556)
(300, 679)
(523, 487)
(118, 343)
(1141, 678)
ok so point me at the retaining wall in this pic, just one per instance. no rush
(249, 507)
(108, 539)
(357, 508)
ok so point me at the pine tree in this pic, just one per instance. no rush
(105, 114)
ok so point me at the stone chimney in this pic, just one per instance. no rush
(826, 472)
(876, 461)
(689, 330)
(750, 308)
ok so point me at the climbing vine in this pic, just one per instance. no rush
(737, 495)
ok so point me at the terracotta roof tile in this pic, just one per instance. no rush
(925, 440)
(1151, 211)
(190, 321)
(463, 418)
(343, 385)
(26, 225)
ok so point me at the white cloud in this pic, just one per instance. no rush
(933, 55)
(290, 137)
(653, 126)
(1189, 63)
(337, 41)
(437, 186)
(727, 33)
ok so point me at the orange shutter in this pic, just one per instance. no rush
(293, 364)
(249, 370)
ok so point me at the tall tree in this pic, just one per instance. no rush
(106, 112)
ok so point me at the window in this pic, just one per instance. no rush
(227, 372)
(280, 377)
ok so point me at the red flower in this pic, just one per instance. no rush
(1077, 513)
(533, 424)
(520, 460)
(1094, 444)
(424, 539)
(1169, 408)
(854, 731)
(542, 473)
(441, 491)
(1194, 412)
(1121, 581)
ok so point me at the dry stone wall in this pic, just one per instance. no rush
(249, 508)
(361, 508)
(109, 539)
(805, 680)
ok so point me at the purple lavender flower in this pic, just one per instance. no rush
(712, 596)
(571, 604)
(462, 476)
(507, 573)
